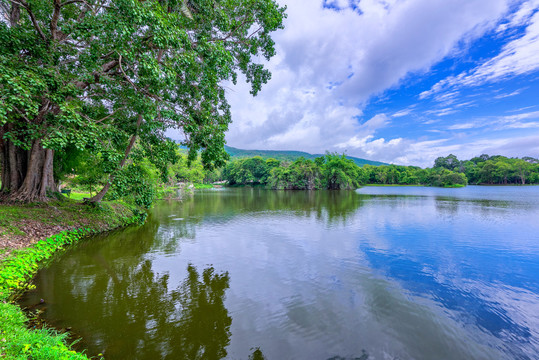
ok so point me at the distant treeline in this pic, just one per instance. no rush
(334, 171)
(493, 170)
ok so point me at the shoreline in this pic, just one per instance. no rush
(25, 243)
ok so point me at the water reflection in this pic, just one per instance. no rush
(147, 317)
(398, 273)
(476, 258)
(330, 206)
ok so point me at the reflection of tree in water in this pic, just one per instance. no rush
(326, 205)
(257, 355)
(141, 318)
(204, 323)
(125, 310)
(364, 356)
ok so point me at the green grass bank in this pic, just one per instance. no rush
(29, 235)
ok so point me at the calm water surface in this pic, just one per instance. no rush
(379, 273)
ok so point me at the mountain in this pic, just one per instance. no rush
(288, 155)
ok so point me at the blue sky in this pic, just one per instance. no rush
(400, 81)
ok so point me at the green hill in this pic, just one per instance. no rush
(288, 155)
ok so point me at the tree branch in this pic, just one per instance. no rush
(125, 75)
(54, 19)
(72, 2)
(32, 17)
(104, 69)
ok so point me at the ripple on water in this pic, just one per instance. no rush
(385, 273)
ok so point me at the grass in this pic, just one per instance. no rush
(18, 342)
(79, 195)
(18, 267)
(43, 220)
(203, 186)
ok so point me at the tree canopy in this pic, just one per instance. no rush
(109, 76)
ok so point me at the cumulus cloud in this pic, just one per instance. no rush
(333, 56)
(423, 153)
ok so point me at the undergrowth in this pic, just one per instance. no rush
(18, 342)
(17, 269)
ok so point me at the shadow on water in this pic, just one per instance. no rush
(142, 317)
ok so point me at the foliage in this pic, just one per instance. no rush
(247, 171)
(135, 182)
(449, 162)
(17, 269)
(339, 172)
(502, 170)
(302, 174)
(203, 186)
(187, 171)
(331, 172)
(446, 178)
(96, 76)
(334, 171)
(19, 342)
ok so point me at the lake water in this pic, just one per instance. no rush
(377, 273)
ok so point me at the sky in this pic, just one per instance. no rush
(398, 81)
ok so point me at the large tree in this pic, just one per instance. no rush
(101, 74)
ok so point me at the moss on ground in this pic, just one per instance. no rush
(30, 234)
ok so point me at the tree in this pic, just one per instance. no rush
(340, 172)
(302, 174)
(449, 162)
(104, 74)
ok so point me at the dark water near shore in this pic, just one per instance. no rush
(380, 273)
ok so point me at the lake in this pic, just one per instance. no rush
(377, 273)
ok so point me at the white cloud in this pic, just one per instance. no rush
(517, 121)
(370, 148)
(522, 108)
(506, 95)
(403, 112)
(462, 126)
(520, 17)
(423, 153)
(441, 112)
(517, 57)
(360, 56)
(491, 140)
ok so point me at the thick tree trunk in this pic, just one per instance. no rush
(27, 176)
(13, 166)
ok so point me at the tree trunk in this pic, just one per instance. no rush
(100, 195)
(14, 162)
(27, 176)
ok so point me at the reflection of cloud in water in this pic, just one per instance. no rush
(331, 275)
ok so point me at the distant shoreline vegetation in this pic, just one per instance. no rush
(333, 171)
(141, 182)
